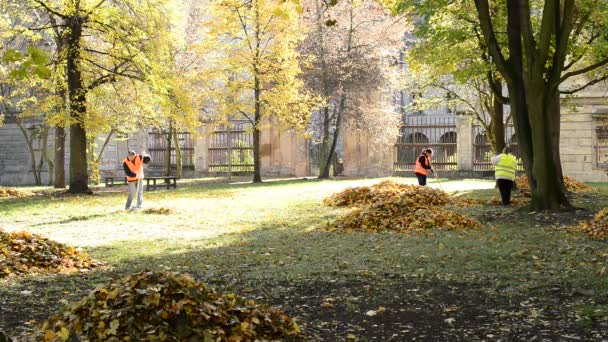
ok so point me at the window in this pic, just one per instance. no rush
(601, 146)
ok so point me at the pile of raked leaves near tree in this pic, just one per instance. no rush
(391, 206)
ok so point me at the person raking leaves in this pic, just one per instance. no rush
(423, 165)
(505, 172)
(134, 169)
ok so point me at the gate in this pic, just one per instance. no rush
(231, 148)
(420, 132)
(157, 147)
(482, 153)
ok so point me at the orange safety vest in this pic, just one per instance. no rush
(137, 167)
(419, 169)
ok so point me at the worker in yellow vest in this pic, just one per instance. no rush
(134, 169)
(423, 165)
(506, 169)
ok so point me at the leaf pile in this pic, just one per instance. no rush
(159, 211)
(570, 184)
(13, 193)
(164, 306)
(24, 253)
(384, 190)
(397, 207)
(597, 228)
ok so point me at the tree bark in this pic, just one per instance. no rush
(77, 93)
(334, 143)
(59, 157)
(324, 164)
(498, 126)
(178, 154)
(168, 149)
(257, 174)
(30, 148)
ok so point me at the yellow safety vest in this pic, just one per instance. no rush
(506, 167)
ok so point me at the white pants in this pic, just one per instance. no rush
(135, 188)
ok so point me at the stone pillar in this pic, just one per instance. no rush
(464, 142)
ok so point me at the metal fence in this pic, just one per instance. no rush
(482, 152)
(419, 132)
(157, 147)
(231, 148)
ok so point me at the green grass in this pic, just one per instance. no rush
(238, 235)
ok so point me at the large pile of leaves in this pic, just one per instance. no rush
(570, 184)
(596, 228)
(13, 193)
(366, 195)
(24, 253)
(165, 306)
(396, 207)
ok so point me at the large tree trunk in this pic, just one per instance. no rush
(548, 192)
(77, 94)
(324, 163)
(257, 169)
(59, 157)
(498, 126)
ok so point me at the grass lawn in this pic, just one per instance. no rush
(519, 277)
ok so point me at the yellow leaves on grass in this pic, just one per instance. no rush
(13, 193)
(397, 207)
(166, 306)
(159, 211)
(25, 253)
(571, 184)
(596, 229)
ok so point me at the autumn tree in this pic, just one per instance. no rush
(448, 60)
(539, 47)
(100, 42)
(253, 66)
(352, 45)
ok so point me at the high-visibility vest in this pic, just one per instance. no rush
(419, 169)
(136, 166)
(506, 167)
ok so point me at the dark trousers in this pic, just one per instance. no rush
(505, 186)
(421, 179)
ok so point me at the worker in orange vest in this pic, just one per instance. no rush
(134, 169)
(423, 165)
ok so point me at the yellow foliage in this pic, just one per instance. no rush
(160, 211)
(596, 229)
(13, 192)
(571, 184)
(25, 253)
(397, 207)
(181, 310)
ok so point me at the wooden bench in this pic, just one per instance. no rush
(169, 182)
(111, 181)
(151, 182)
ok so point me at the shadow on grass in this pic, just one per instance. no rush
(453, 285)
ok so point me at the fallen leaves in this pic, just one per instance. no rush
(163, 306)
(596, 228)
(396, 207)
(25, 253)
(570, 184)
(13, 193)
(160, 211)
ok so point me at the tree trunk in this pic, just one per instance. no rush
(498, 126)
(77, 95)
(324, 165)
(548, 193)
(334, 143)
(30, 148)
(168, 150)
(178, 154)
(59, 157)
(257, 169)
